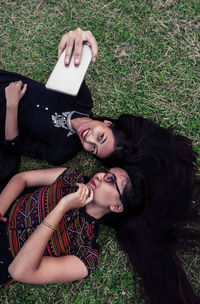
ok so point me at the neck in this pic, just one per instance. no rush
(95, 211)
(77, 122)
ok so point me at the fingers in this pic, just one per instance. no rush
(23, 91)
(67, 43)
(83, 191)
(91, 41)
(85, 194)
(18, 83)
(76, 39)
(14, 92)
(63, 42)
(71, 40)
(90, 197)
(61, 46)
(78, 48)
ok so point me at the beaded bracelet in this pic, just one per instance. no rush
(48, 225)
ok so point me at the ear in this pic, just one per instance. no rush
(108, 123)
(117, 207)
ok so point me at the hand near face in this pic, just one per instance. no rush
(14, 93)
(78, 199)
(76, 39)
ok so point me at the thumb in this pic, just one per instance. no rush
(90, 197)
(23, 91)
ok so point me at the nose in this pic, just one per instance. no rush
(99, 176)
(87, 146)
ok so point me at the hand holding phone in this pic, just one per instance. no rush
(68, 79)
(76, 39)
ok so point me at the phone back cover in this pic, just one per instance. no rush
(68, 79)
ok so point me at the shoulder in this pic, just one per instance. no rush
(71, 176)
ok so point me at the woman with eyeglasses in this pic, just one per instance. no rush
(48, 125)
(51, 235)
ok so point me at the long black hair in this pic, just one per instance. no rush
(139, 139)
(157, 204)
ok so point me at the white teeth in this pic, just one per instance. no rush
(85, 133)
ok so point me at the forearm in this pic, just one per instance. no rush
(11, 124)
(28, 260)
(10, 193)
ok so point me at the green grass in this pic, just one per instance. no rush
(148, 65)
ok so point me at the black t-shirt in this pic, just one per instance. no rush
(39, 137)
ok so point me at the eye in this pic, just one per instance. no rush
(93, 149)
(110, 179)
(100, 137)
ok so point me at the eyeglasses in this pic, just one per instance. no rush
(109, 177)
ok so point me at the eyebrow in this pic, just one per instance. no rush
(116, 184)
(101, 144)
(104, 140)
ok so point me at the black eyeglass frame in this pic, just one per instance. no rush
(115, 181)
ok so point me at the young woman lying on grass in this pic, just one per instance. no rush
(44, 124)
(51, 234)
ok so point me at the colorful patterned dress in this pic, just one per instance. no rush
(76, 233)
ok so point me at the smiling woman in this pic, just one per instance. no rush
(48, 125)
(96, 136)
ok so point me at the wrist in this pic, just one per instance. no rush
(12, 104)
(64, 205)
(55, 216)
(49, 225)
(59, 210)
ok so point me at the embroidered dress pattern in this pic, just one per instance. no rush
(76, 233)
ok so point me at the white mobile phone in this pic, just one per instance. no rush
(68, 79)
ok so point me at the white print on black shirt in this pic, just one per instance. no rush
(63, 121)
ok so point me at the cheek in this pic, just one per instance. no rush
(99, 196)
(103, 194)
(99, 129)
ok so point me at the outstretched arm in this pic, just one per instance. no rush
(30, 266)
(76, 39)
(26, 179)
(14, 93)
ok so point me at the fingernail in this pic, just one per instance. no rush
(66, 61)
(76, 61)
(94, 59)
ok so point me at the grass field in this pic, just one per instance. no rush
(148, 65)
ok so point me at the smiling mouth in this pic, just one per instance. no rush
(84, 133)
